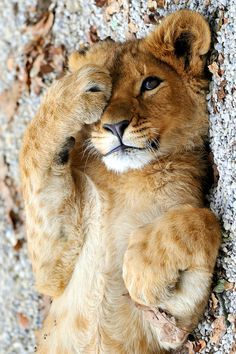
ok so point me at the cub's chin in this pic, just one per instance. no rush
(129, 159)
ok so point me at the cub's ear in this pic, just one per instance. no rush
(76, 60)
(182, 40)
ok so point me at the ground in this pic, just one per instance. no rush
(35, 38)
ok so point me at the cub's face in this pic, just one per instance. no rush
(157, 106)
(147, 113)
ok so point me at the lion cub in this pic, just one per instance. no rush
(113, 171)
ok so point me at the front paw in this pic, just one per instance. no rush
(151, 276)
(84, 94)
(95, 86)
(148, 272)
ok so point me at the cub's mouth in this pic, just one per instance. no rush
(122, 148)
(123, 158)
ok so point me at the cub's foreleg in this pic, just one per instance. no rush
(52, 192)
(169, 265)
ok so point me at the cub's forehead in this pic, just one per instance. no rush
(125, 61)
(129, 59)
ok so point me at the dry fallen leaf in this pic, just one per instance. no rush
(6, 195)
(11, 197)
(190, 346)
(15, 218)
(57, 55)
(213, 103)
(45, 69)
(195, 346)
(36, 65)
(146, 19)
(37, 85)
(232, 319)
(41, 58)
(161, 3)
(11, 63)
(214, 69)
(152, 5)
(23, 320)
(221, 94)
(233, 349)
(43, 26)
(219, 329)
(93, 35)
(220, 58)
(34, 48)
(133, 28)
(214, 170)
(229, 286)
(100, 3)
(202, 344)
(152, 18)
(112, 8)
(34, 56)
(9, 99)
(168, 330)
(214, 302)
(216, 174)
(18, 245)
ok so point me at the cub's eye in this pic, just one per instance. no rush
(150, 83)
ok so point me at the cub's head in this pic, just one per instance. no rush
(157, 106)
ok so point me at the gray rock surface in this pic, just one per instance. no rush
(75, 23)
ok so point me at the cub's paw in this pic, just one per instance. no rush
(84, 93)
(149, 276)
(96, 90)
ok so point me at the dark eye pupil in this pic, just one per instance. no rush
(150, 83)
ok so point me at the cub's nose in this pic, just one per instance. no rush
(117, 129)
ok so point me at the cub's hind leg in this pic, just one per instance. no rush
(52, 191)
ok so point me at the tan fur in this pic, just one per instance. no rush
(95, 235)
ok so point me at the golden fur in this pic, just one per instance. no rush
(100, 227)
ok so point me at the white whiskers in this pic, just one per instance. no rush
(89, 150)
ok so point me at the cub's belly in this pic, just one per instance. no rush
(95, 313)
(98, 316)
